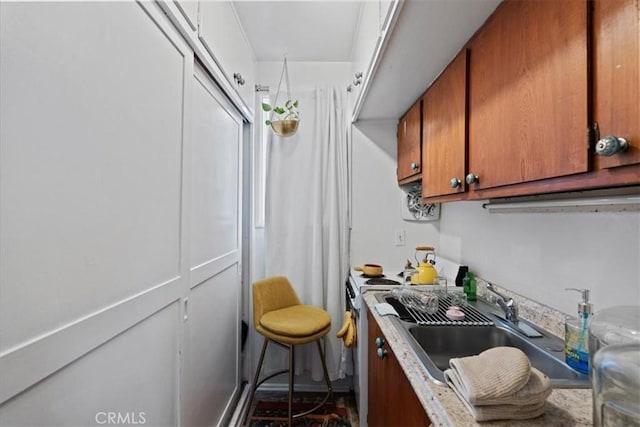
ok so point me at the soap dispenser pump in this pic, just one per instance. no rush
(576, 334)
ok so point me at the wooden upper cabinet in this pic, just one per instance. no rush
(444, 131)
(410, 144)
(528, 93)
(616, 77)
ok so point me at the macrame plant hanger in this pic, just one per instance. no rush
(288, 124)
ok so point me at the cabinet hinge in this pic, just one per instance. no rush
(593, 134)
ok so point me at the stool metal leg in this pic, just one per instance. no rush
(324, 368)
(292, 366)
(326, 379)
(255, 381)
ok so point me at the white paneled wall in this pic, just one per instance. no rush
(133, 375)
(79, 154)
(119, 221)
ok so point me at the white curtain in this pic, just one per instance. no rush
(306, 223)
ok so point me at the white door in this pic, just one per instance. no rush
(211, 360)
(90, 213)
(119, 222)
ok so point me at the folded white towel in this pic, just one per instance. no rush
(536, 390)
(492, 376)
(504, 412)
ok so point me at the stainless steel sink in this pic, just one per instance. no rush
(435, 345)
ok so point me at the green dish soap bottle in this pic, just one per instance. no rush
(469, 286)
(473, 286)
(576, 335)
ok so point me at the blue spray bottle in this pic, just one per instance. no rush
(576, 335)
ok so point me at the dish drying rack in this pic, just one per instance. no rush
(403, 306)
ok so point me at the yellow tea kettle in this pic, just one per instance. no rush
(426, 272)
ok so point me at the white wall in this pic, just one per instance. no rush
(377, 201)
(539, 254)
(536, 255)
(303, 75)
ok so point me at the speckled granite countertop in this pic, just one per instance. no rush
(565, 407)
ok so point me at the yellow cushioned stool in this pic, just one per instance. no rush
(281, 318)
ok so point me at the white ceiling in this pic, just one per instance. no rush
(308, 30)
(426, 36)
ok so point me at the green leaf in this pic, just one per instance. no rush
(278, 110)
(295, 104)
(267, 122)
(288, 104)
(266, 107)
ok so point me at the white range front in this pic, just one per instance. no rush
(356, 286)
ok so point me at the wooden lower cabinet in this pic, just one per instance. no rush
(392, 401)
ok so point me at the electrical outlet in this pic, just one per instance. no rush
(398, 237)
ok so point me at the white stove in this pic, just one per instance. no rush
(358, 284)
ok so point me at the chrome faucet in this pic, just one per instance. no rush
(508, 305)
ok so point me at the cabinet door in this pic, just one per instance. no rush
(392, 401)
(444, 126)
(211, 365)
(223, 37)
(616, 76)
(189, 9)
(409, 143)
(528, 93)
(377, 381)
(364, 46)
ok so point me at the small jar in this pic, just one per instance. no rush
(428, 303)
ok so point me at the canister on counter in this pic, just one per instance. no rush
(614, 360)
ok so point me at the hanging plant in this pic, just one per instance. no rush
(287, 115)
(289, 111)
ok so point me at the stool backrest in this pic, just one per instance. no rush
(272, 294)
